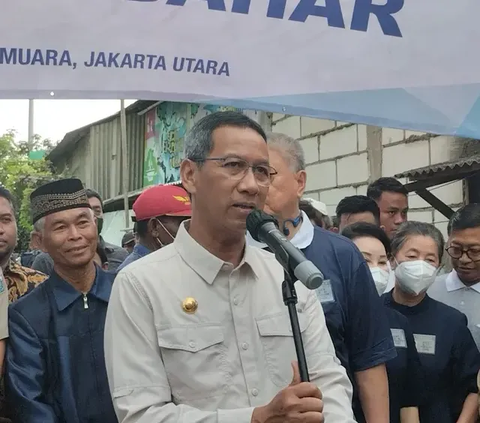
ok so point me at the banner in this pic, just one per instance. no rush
(409, 64)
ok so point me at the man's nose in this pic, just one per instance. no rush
(249, 183)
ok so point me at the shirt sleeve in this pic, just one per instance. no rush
(136, 373)
(25, 373)
(3, 307)
(369, 339)
(466, 361)
(43, 263)
(324, 367)
(412, 394)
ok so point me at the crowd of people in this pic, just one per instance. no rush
(185, 321)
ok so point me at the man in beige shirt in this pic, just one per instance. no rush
(197, 332)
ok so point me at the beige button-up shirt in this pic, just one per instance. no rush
(232, 354)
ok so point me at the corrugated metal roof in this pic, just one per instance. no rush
(460, 164)
(71, 138)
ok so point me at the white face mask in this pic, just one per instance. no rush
(380, 277)
(415, 277)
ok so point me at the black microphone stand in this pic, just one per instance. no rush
(290, 300)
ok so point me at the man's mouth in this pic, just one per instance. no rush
(77, 249)
(245, 206)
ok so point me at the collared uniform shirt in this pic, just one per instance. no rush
(138, 252)
(3, 307)
(55, 367)
(355, 317)
(21, 280)
(450, 290)
(231, 354)
(449, 357)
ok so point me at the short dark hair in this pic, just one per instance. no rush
(465, 218)
(91, 193)
(364, 229)
(5, 193)
(381, 185)
(199, 143)
(412, 228)
(358, 204)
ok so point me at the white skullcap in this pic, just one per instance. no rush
(318, 205)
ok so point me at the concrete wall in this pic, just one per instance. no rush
(342, 159)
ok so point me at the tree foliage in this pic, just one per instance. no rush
(21, 174)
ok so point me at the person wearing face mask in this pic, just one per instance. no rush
(159, 211)
(448, 353)
(405, 375)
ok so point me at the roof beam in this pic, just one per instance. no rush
(435, 202)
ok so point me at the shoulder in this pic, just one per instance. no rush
(447, 313)
(31, 305)
(32, 275)
(334, 244)
(159, 261)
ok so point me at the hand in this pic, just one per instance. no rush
(299, 402)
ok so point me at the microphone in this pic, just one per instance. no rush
(264, 228)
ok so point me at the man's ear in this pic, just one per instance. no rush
(188, 175)
(382, 227)
(334, 229)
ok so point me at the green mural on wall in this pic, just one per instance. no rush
(166, 128)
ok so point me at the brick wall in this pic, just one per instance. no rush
(342, 158)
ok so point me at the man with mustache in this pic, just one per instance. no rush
(55, 370)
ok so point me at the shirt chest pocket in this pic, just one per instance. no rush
(195, 360)
(278, 345)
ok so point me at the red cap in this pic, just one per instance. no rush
(162, 200)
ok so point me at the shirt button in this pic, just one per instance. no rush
(235, 301)
(192, 344)
(462, 303)
(254, 392)
(245, 346)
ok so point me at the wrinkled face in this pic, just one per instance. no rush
(286, 189)
(373, 251)
(349, 219)
(467, 243)
(8, 230)
(70, 237)
(418, 247)
(393, 211)
(221, 201)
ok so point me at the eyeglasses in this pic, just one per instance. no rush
(457, 252)
(237, 168)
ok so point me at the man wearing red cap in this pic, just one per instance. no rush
(159, 211)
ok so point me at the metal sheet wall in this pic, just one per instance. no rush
(106, 169)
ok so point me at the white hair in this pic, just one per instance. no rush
(290, 148)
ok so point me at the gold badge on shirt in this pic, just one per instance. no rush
(189, 305)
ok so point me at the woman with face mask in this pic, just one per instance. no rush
(448, 353)
(405, 376)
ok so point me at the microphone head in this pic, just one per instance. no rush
(256, 219)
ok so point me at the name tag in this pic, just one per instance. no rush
(325, 293)
(425, 343)
(399, 339)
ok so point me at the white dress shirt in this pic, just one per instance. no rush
(232, 354)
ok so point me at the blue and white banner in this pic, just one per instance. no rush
(411, 64)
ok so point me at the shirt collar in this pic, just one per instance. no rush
(204, 263)
(454, 283)
(302, 239)
(141, 250)
(65, 294)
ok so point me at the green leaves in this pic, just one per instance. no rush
(21, 174)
